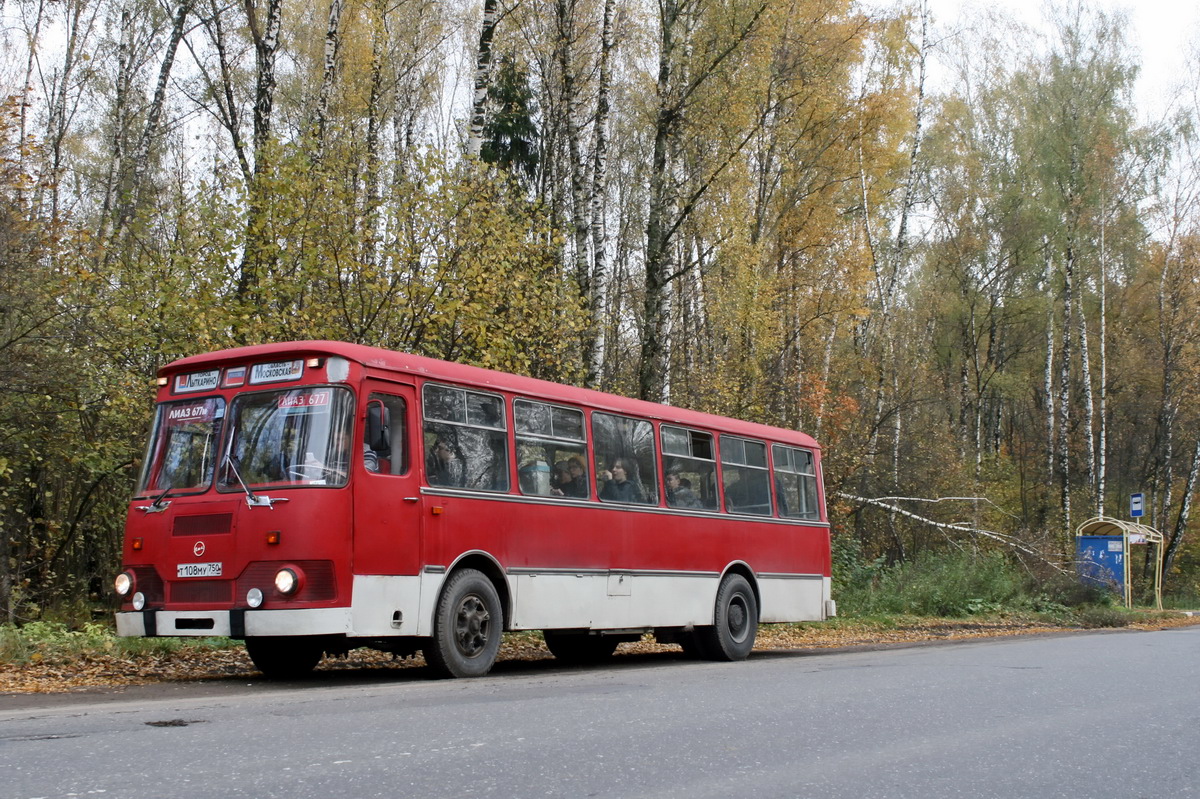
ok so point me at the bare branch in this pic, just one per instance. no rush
(1007, 540)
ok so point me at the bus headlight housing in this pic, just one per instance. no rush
(139, 601)
(287, 581)
(123, 584)
(254, 597)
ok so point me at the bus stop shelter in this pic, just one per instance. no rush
(1102, 554)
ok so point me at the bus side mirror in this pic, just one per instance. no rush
(377, 428)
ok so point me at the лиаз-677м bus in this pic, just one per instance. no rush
(313, 497)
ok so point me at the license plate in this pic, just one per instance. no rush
(198, 570)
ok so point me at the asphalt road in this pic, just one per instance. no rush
(1096, 715)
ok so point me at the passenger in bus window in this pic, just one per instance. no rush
(576, 486)
(560, 479)
(680, 495)
(617, 485)
(441, 466)
(370, 458)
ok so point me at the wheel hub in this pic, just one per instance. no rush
(738, 619)
(472, 626)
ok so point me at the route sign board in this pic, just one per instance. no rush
(1136, 505)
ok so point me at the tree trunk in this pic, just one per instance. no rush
(227, 110)
(564, 12)
(483, 77)
(374, 178)
(652, 365)
(141, 162)
(594, 341)
(115, 184)
(255, 259)
(1048, 373)
(1185, 509)
(333, 42)
(63, 100)
(1089, 405)
(1064, 395)
(1102, 445)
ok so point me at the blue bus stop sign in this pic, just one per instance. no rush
(1100, 560)
(1135, 505)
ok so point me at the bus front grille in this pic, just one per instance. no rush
(202, 591)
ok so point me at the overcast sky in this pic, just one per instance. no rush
(1163, 31)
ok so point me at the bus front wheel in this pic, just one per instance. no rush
(284, 657)
(735, 621)
(467, 627)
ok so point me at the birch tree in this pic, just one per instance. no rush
(700, 43)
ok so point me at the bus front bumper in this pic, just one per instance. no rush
(238, 623)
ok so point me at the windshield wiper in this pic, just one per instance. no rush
(158, 501)
(232, 461)
(252, 499)
(157, 505)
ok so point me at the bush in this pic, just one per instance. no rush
(1095, 616)
(1055, 591)
(951, 585)
(1181, 600)
(56, 642)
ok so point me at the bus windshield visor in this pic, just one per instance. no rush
(183, 447)
(299, 436)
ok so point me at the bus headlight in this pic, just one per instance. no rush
(139, 601)
(123, 583)
(254, 597)
(287, 581)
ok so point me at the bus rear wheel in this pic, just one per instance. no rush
(735, 621)
(467, 627)
(284, 657)
(579, 647)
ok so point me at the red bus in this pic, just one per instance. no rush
(312, 497)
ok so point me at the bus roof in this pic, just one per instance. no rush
(382, 360)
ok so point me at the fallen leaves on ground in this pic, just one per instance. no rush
(194, 663)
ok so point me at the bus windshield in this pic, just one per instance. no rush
(183, 446)
(293, 436)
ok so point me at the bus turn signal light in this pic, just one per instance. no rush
(273, 537)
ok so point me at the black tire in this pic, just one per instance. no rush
(467, 627)
(735, 621)
(580, 647)
(284, 657)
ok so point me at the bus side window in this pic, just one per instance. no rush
(690, 470)
(466, 443)
(551, 450)
(745, 477)
(625, 459)
(385, 440)
(795, 482)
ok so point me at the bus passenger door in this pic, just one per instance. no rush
(387, 509)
